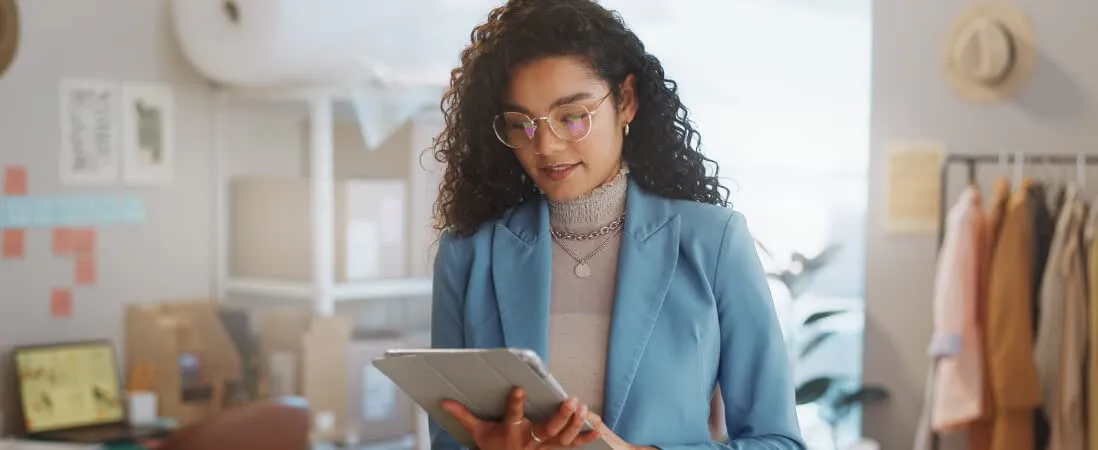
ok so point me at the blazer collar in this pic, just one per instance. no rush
(522, 267)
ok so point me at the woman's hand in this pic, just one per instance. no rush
(615, 441)
(515, 432)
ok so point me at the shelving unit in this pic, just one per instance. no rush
(322, 289)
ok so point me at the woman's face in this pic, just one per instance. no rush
(565, 169)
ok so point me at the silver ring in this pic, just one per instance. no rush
(535, 437)
(519, 422)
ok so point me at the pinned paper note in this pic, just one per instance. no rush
(41, 212)
(83, 241)
(85, 270)
(132, 210)
(61, 303)
(15, 180)
(13, 243)
(914, 187)
(18, 212)
(61, 241)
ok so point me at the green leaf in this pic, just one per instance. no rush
(865, 395)
(816, 341)
(813, 390)
(816, 317)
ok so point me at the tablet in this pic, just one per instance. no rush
(480, 379)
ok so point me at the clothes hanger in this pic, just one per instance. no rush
(1080, 170)
(1019, 162)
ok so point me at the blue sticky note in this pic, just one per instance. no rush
(19, 212)
(64, 211)
(108, 210)
(41, 212)
(3, 213)
(133, 210)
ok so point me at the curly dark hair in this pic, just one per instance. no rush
(484, 178)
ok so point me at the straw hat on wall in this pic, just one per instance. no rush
(9, 34)
(991, 52)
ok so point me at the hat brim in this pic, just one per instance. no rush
(1024, 47)
(9, 34)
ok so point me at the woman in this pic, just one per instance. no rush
(579, 221)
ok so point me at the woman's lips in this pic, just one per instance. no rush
(559, 172)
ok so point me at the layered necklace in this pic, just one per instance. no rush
(582, 269)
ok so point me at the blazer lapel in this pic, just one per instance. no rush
(521, 268)
(647, 259)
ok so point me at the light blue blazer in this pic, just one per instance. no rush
(692, 310)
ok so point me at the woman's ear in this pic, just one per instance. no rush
(628, 99)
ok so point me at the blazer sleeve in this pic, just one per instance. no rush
(754, 376)
(451, 274)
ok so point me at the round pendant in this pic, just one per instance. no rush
(583, 270)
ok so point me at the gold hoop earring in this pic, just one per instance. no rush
(627, 129)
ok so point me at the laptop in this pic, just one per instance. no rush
(72, 392)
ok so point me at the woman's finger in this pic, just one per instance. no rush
(467, 420)
(589, 436)
(516, 407)
(574, 427)
(555, 424)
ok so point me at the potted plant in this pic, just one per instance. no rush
(836, 397)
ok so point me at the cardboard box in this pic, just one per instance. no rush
(192, 362)
(306, 355)
(271, 222)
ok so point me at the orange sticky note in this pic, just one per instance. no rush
(85, 270)
(83, 241)
(62, 239)
(61, 303)
(15, 180)
(13, 245)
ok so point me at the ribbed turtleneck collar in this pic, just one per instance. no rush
(592, 211)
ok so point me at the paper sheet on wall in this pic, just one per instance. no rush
(15, 180)
(914, 187)
(378, 395)
(61, 303)
(14, 243)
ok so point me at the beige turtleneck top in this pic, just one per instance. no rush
(580, 310)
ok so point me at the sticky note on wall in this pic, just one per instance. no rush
(12, 243)
(15, 180)
(18, 212)
(61, 303)
(85, 270)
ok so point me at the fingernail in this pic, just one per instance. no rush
(572, 403)
(583, 410)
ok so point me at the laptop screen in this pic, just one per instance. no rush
(68, 386)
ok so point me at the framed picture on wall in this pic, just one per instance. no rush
(148, 134)
(89, 132)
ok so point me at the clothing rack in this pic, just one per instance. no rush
(1015, 162)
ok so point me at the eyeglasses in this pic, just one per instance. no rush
(570, 122)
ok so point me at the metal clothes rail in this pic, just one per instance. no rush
(1016, 163)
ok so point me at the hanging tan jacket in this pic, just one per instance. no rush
(1048, 347)
(1009, 332)
(1092, 332)
(1071, 434)
(979, 432)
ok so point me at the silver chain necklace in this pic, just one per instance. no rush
(583, 270)
(609, 228)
